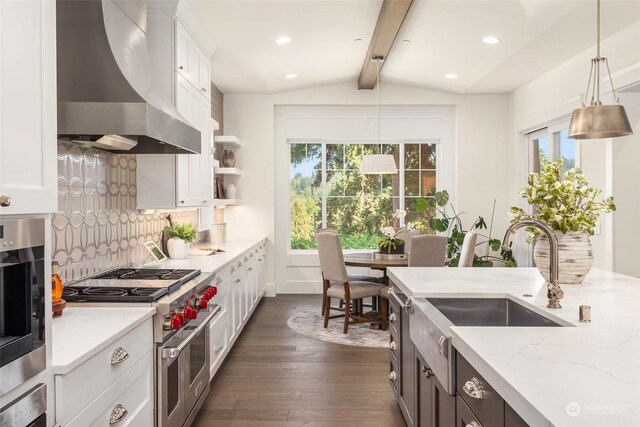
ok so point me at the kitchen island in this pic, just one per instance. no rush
(582, 374)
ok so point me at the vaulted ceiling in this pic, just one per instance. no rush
(444, 37)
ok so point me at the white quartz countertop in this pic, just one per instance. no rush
(82, 332)
(587, 375)
(210, 263)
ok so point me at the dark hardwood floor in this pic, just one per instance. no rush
(274, 377)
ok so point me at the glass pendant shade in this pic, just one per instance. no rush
(376, 164)
(599, 121)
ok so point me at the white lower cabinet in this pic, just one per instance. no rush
(120, 374)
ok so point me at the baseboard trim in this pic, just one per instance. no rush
(271, 290)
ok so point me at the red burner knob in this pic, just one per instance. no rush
(214, 289)
(191, 313)
(204, 304)
(180, 317)
(175, 323)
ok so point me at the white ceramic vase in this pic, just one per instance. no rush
(177, 248)
(231, 191)
(575, 256)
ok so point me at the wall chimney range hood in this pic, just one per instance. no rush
(107, 95)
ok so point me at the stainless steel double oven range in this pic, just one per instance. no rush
(180, 330)
(22, 319)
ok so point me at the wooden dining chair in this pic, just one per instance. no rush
(334, 271)
(428, 250)
(468, 250)
(352, 277)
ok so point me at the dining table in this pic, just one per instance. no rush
(375, 262)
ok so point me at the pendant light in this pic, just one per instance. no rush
(377, 164)
(597, 120)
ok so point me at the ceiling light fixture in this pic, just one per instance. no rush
(406, 41)
(451, 76)
(283, 40)
(597, 120)
(491, 40)
(357, 40)
(376, 164)
(291, 76)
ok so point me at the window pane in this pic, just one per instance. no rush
(412, 156)
(370, 149)
(567, 151)
(353, 156)
(335, 156)
(306, 218)
(358, 219)
(419, 220)
(411, 183)
(543, 151)
(427, 182)
(335, 183)
(306, 183)
(427, 156)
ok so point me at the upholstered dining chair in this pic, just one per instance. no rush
(352, 277)
(468, 250)
(334, 271)
(406, 235)
(428, 250)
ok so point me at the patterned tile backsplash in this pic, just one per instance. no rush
(97, 226)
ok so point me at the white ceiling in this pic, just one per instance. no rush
(446, 37)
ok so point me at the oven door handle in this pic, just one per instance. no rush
(173, 352)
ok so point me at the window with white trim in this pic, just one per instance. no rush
(327, 190)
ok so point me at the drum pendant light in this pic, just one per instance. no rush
(596, 120)
(378, 164)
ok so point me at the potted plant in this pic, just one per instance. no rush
(566, 203)
(179, 235)
(436, 217)
(389, 242)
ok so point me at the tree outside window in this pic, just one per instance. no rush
(327, 190)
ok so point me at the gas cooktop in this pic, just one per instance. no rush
(128, 285)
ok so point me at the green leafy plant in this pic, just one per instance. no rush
(182, 230)
(564, 201)
(435, 210)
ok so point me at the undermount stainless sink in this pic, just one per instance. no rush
(488, 312)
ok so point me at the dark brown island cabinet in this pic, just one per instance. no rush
(423, 400)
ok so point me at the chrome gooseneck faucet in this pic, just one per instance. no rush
(554, 292)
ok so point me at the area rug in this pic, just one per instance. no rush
(310, 324)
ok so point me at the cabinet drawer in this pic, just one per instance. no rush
(133, 392)
(394, 375)
(82, 385)
(219, 337)
(221, 282)
(488, 406)
(464, 416)
(394, 346)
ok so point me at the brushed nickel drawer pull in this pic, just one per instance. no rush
(217, 348)
(408, 305)
(392, 317)
(117, 414)
(393, 376)
(443, 348)
(119, 355)
(232, 269)
(218, 280)
(393, 345)
(237, 280)
(475, 389)
(473, 423)
(5, 201)
(250, 268)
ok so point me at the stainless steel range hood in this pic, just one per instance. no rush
(106, 85)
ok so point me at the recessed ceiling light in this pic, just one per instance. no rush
(291, 76)
(451, 76)
(406, 41)
(283, 40)
(357, 40)
(491, 40)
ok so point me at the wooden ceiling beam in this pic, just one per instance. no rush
(390, 19)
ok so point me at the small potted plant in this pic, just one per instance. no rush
(566, 203)
(389, 242)
(179, 235)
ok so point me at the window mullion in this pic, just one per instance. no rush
(324, 184)
(401, 203)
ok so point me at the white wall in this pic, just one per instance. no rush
(481, 135)
(609, 164)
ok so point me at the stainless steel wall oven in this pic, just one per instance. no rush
(22, 301)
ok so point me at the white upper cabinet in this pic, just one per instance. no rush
(28, 107)
(192, 62)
